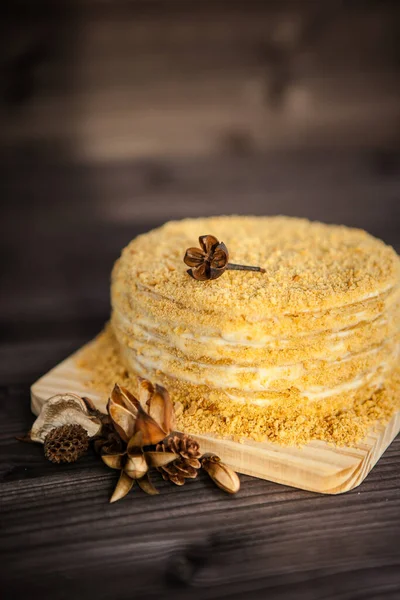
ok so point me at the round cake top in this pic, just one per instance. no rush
(309, 266)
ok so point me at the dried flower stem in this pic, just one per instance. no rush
(233, 267)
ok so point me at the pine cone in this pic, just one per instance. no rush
(66, 443)
(184, 467)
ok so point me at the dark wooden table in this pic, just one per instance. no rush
(62, 226)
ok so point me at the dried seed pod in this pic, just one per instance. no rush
(136, 466)
(66, 443)
(222, 475)
(63, 409)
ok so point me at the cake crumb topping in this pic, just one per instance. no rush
(307, 264)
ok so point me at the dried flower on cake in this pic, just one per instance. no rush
(211, 260)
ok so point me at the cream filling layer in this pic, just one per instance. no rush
(315, 393)
(141, 312)
(374, 379)
(145, 327)
(228, 376)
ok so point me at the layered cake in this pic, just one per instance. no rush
(309, 349)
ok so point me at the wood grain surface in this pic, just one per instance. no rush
(60, 537)
(93, 152)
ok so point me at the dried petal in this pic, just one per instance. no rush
(215, 273)
(194, 257)
(221, 474)
(220, 257)
(122, 488)
(159, 459)
(145, 484)
(146, 389)
(136, 466)
(122, 396)
(114, 461)
(123, 420)
(161, 408)
(201, 273)
(208, 243)
(135, 443)
(151, 431)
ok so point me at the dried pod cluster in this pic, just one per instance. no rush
(133, 437)
(140, 423)
(144, 424)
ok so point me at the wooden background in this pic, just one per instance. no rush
(114, 117)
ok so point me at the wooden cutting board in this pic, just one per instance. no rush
(318, 467)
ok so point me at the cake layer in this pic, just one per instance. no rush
(299, 376)
(309, 266)
(196, 395)
(140, 330)
(130, 300)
